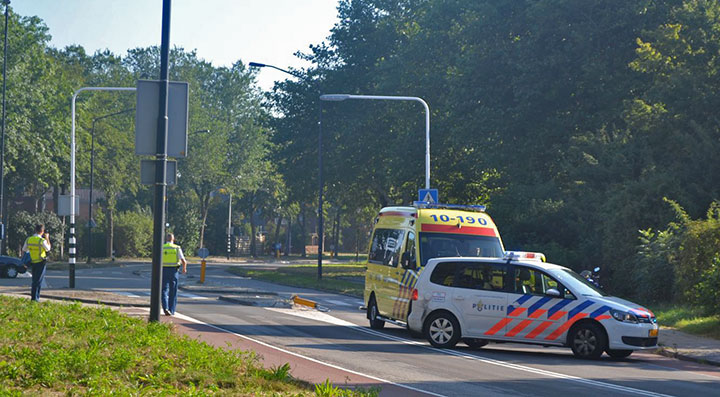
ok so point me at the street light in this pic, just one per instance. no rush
(343, 97)
(92, 175)
(6, 3)
(71, 239)
(320, 168)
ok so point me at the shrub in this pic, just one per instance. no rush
(22, 225)
(133, 233)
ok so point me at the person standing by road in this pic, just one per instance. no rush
(172, 258)
(38, 245)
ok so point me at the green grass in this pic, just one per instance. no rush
(688, 319)
(70, 349)
(345, 278)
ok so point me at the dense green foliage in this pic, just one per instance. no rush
(52, 348)
(570, 120)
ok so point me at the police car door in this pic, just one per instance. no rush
(480, 296)
(537, 307)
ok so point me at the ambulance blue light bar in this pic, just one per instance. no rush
(425, 204)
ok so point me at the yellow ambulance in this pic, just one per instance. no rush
(405, 238)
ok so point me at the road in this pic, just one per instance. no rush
(341, 338)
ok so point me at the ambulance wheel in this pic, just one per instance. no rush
(618, 354)
(372, 315)
(587, 340)
(442, 330)
(475, 343)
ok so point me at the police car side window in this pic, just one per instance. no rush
(444, 274)
(535, 282)
(481, 276)
(385, 248)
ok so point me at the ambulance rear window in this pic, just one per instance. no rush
(385, 248)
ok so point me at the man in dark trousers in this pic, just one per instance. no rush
(172, 258)
(38, 245)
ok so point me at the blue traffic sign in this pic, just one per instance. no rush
(428, 195)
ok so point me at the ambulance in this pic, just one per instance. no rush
(405, 238)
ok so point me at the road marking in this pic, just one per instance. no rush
(337, 302)
(191, 319)
(191, 296)
(336, 321)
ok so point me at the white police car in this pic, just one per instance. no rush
(509, 300)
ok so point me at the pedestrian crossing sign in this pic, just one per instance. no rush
(428, 195)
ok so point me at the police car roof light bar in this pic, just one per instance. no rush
(426, 204)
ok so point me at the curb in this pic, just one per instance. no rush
(664, 351)
(86, 300)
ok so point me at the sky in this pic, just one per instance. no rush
(222, 31)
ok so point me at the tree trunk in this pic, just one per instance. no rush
(337, 234)
(277, 229)
(111, 234)
(253, 243)
(288, 248)
(303, 230)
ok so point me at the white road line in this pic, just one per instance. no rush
(336, 321)
(308, 358)
(191, 296)
(337, 302)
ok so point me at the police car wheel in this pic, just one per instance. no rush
(475, 343)
(618, 354)
(11, 271)
(587, 340)
(372, 314)
(442, 330)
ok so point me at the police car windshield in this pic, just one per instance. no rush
(577, 283)
(440, 245)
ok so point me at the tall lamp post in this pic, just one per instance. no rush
(321, 233)
(342, 97)
(92, 176)
(6, 3)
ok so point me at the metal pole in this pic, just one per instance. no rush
(320, 195)
(92, 185)
(160, 168)
(2, 134)
(229, 230)
(71, 239)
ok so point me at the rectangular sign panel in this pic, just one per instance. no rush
(147, 113)
(147, 172)
(63, 208)
(428, 195)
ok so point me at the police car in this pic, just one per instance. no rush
(478, 300)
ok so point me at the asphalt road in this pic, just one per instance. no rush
(341, 337)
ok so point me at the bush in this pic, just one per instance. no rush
(133, 233)
(682, 262)
(22, 225)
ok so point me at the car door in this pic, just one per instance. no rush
(533, 314)
(479, 294)
(384, 261)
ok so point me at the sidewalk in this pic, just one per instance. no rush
(673, 343)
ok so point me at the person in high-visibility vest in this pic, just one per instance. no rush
(38, 245)
(172, 258)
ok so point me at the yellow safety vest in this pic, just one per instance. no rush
(37, 251)
(171, 255)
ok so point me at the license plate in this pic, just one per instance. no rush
(653, 333)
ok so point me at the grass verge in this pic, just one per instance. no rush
(688, 319)
(345, 278)
(69, 349)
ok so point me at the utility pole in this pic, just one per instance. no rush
(160, 168)
(229, 230)
(6, 3)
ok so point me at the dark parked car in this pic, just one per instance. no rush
(10, 267)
